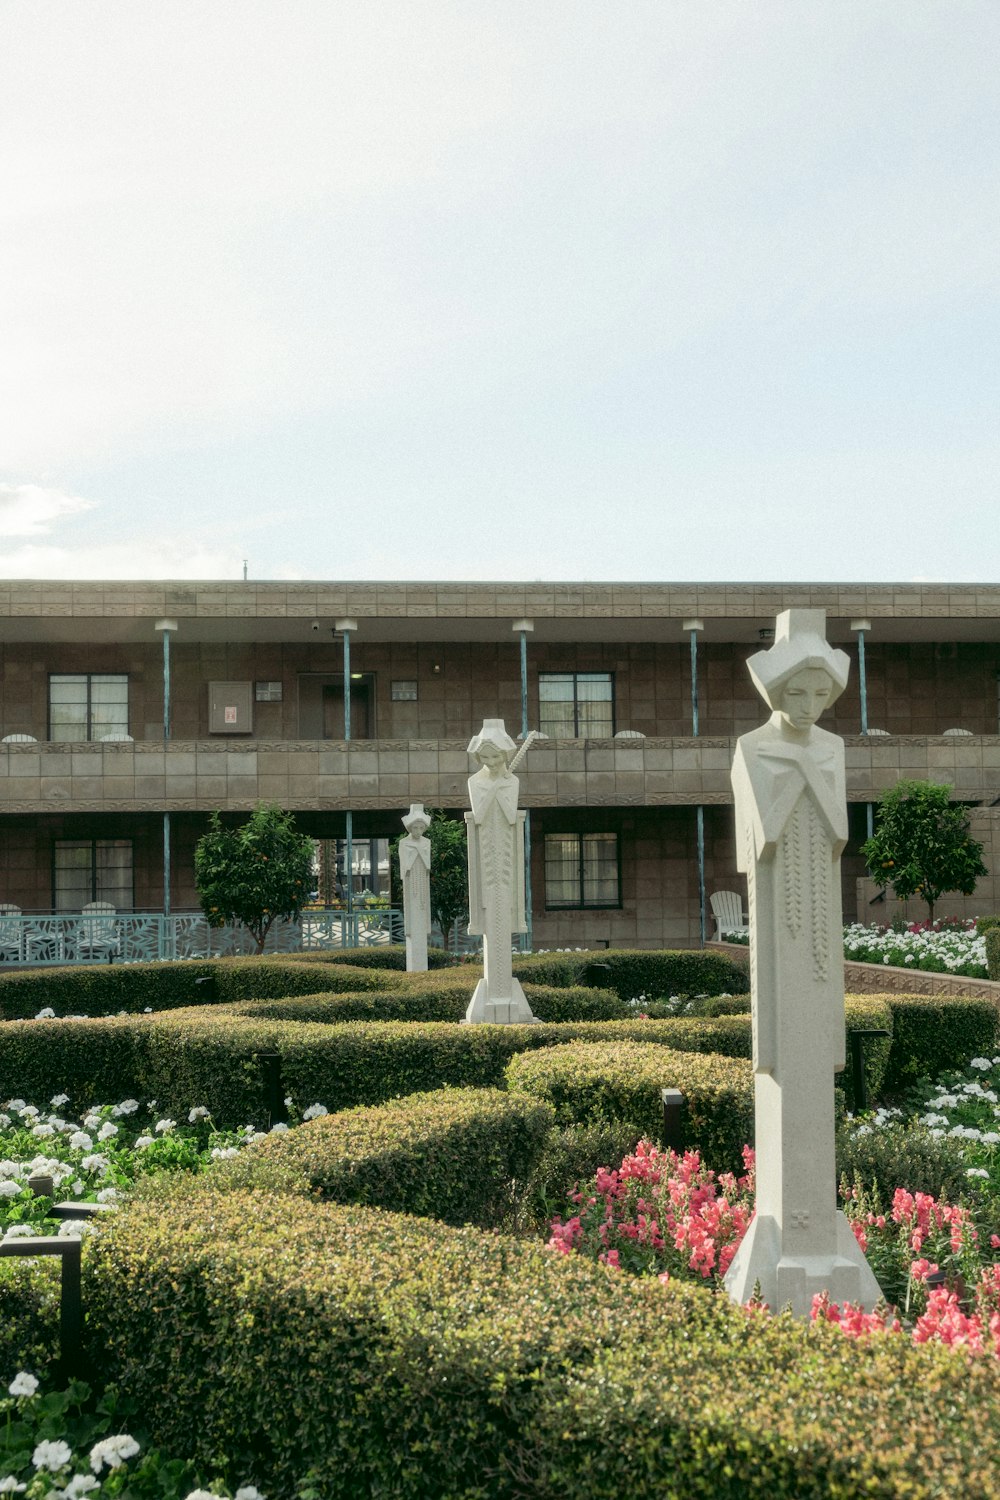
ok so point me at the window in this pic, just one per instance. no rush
(576, 705)
(582, 870)
(86, 870)
(87, 705)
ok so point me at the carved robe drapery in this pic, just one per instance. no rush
(496, 893)
(791, 828)
(415, 866)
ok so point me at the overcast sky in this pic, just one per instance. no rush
(500, 289)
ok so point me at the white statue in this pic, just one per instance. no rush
(791, 828)
(415, 868)
(496, 872)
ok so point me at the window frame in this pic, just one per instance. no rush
(93, 842)
(89, 678)
(581, 904)
(576, 675)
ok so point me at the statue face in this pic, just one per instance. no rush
(418, 828)
(492, 757)
(805, 697)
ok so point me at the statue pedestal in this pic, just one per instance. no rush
(792, 1280)
(416, 953)
(509, 1010)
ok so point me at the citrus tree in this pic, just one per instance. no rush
(255, 873)
(921, 845)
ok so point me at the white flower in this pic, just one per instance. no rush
(58, 1100)
(81, 1141)
(51, 1455)
(204, 1495)
(107, 1131)
(80, 1484)
(23, 1384)
(91, 1121)
(126, 1107)
(28, 1112)
(933, 1119)
(248, 1492)
(314, 1111)
(42, 1132)
(4, 1121)
(10, 1169)
(19, 1231)
(198, 1113)
(278, 1129)
(48, 1014)
(10, 1486)
(9, 1189)
(96, 1163)
(144, 1140)
(75, 1229)
(990, 1138)
(107, 1195)
(113, 1451)
(79, 1187)
(983, 1063)
(976, 1172)
(163, 1126)
(223, 1153)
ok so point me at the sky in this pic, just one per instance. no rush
(526, 289)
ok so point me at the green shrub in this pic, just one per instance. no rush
(907, 1156)
(632, 972)
(452, 1155)
(867, 1013)
(931, 1033)
(722, 1005)
(211, 1056)
(29, 1316)
(374, 956)
(571, 1155)
(992, 938)
(622, 1081)
(440, 1001)
(984, 924)
(341, 1351)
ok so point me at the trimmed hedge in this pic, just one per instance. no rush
(632, 972)
(868, 1013)
(452, 1155)
(933, 1033)
(376, 956)
(29, 1315)
(345, 1352)
(991, 938)
(109, 989)
(442, 999)
(589, 1081)
(211, 1057)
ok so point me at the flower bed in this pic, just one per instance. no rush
(949, 946)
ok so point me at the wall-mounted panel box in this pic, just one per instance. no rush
(230, 708)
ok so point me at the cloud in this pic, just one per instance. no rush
(146, 557)
(33, 510)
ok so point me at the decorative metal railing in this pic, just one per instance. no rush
(141, 937)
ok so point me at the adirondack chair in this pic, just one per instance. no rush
(11, 933)
(98, 935)
(727, 909)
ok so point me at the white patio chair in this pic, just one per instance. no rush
(98, 934)
(880, 734)
(19, 739)
(965, 733)
(115, 739)
(11, 933)
(727, 909)
(629, 734)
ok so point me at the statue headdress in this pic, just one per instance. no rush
(492, 733)
(799, 642)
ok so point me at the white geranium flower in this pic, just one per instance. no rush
(10, 1168)
(976, 1172)
(278, 1129)
(198, 1113)
(79, 1188)
(58, 1100)
(9, 1188)
(19, 1232)
(23, 1384)
(28, 1112)
(43, 1131)
(4, 1121)
(107, 1131)
(107, 1195)
(80, 1484)
(46, 1014)
(314, 1112)
(52, 1455)
(248, 1492)
(163, 1127)
(126, 1107)
(96, 1163)
(143, 1141)
(76, 1229)
(91, 1121)
(10, 1486)
(15, 1104)
(204, 1495)
(81, 1141)
(983, 1063)
(223, 1153)
(113, 1451)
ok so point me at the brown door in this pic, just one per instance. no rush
(333, 711)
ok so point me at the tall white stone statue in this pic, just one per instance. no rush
(791, 828)
(496, 872)
(415, 868)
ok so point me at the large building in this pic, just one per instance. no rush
(126, 702)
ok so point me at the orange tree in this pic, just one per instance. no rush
(252, 874)
(922, 845)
